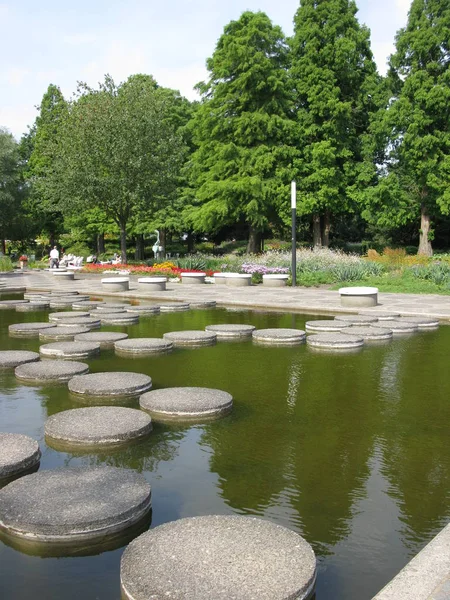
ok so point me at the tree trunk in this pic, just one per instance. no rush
(190, 242)
(317, 231)
(254, 240)
(425, 248)
(4, 246)
(100, 244)
(140, 251)
(326, 224)
(123, 242)
(162, 241)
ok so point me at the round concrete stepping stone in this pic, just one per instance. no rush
(143, 309)
(369, 333)
(88, 322)
(357, 319)
(218, 557)
(192, 338)
(335, 341)
(115, 384)
(69, 314)
(231, 330)
(174, 306)
(36, 296)
(186, 403)
(74, 504)
(70, 350)
(97, 426)
(10, 359)
(18, 453)
(28, 329)
(326, 325)
(202, 305)
(380, 315)
(61, 302)
(279, 337)
(140, 346)
(64, 293)
(98, 311)
(122, 318)
(86, 305)
(33, 305)
(112, 306)
(46, 371)
(106, 339)
(11, 304)
(422, 322)
(60, 333)
(398, 326)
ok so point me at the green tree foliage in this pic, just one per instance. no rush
(37, 149)
(415, 172)
(243, 129)
(117, 151)
(337, 88)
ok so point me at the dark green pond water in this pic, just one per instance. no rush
(350, 450)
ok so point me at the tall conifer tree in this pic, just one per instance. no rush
(243, 129)
(336, 83)
(415, 174)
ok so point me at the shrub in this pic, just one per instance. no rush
(5, 263)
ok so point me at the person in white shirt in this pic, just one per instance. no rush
(54, 258)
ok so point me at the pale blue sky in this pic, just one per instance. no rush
(56, 42)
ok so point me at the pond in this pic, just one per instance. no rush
(349, 450)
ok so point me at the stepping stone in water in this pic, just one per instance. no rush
(106, 339)
(86, 305)
(143, 309)
(335, 341)
(11, 304)
(193, 339)
(114, 384)
(48, 371)
(70, 350)
(73, 505)
(97, 427)
(18, 453)
(60, 333)
(33, 305)
(112, 306)
(370, 334)
(122, 318)
(174, 306)
(357, 319)
(64, 316)
(202, 305)
(380, 315)
(28, 330)
(10, 359)
(326, 325)
(422, 322)
(397, 326)
(231, 330)
(279, 337)
(142, 346)
(186, 404)
(218, 558)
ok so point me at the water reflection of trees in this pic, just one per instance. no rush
(416, 413)
(308, 448)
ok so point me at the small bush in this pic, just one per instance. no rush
(5, 264)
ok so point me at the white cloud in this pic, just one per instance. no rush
(17, 118)
(15, 76)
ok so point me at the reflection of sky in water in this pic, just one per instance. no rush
(349, 450)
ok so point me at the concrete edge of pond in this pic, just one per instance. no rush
(426, 576)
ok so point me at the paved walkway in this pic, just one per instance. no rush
(299, 300)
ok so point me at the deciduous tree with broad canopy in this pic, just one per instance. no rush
(117, 151)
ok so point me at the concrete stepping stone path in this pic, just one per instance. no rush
(106, 339)
(356, 319)
(335, 341)
(371, 334)
(18, 453)
(231, 330)
(186, 404)
(48, 371)
(398, 326)
(70, 350)
(119, 318)
(174, 306)
(113, 384)
(142, 346)
(191, 338)
(10, 359)
(218, 557)
(279, 337)
(28, 330)
(60, 333)
(97, 427)
(326, 326)
(73, 505)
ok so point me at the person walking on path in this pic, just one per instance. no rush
(54, 258)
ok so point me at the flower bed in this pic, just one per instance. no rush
(163, 269)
